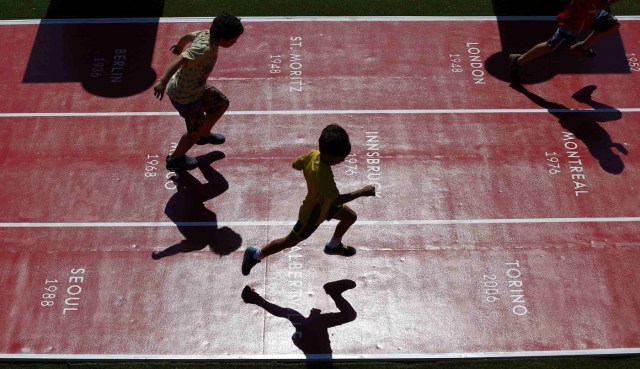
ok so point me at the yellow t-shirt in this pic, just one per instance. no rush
(189, 82)
(321, 187)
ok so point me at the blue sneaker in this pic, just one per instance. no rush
(248, 261)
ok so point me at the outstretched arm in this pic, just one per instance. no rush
(368, 190)
(161, 85)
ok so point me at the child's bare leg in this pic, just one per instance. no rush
(252, 255)
(194, 122)
(186, 142)
(535, 52)
(280, 244)
(210, 120)
(594, 37)
(346, 217)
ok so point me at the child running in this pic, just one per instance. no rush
(576, 17)
(185, 81)
(323, 200)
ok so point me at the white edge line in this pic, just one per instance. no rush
(282, 223)
(88, 114)
(295, 19)
(454, 355)
(324, 112)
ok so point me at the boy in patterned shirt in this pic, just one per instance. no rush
(185, 82)
(573, 20)
(323, 200)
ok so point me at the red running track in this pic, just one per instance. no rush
(506, 221)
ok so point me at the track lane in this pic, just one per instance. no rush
(367, 60)
(578, 277)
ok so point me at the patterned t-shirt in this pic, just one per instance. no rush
(321, 187)
(189, 82)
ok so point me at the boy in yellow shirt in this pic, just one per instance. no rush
(323, 200)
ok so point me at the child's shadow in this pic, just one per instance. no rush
(584, 125)
(312, 333)
(187, 210)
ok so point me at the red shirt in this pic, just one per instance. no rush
(580, 14)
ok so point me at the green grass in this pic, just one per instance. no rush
(36, 9)
(336, 7)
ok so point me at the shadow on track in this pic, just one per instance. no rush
(110, 58)
(187, 207)
(518, 35)
(312, 335)
(583, 124)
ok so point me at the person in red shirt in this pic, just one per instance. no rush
(573, 20)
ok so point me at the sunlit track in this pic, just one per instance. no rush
(506, 222)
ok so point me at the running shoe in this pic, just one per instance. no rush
(213, 138)
(248, 261)
(515, 69)
(341, 250)
(184, 163)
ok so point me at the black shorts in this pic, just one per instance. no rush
(306, 229)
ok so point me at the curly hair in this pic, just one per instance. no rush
(226, 26)
(334, 140)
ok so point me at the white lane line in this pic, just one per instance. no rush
(360, 222)
(296, 19)
(326, 112)
(400, 356)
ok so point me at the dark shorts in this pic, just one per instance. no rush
(193, 113)
(603, 22)
(306, 229)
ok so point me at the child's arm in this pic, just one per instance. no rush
(161, 85)
(368, 190)
(184, 40)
